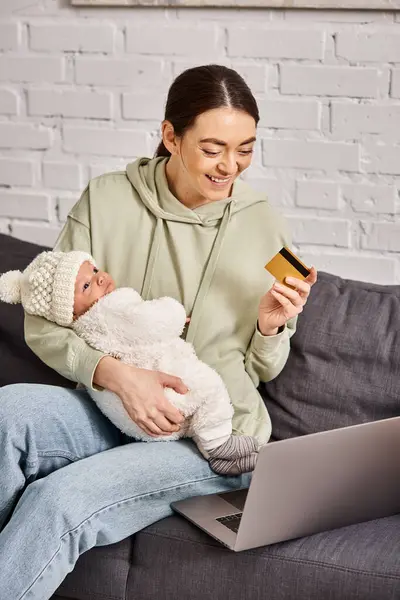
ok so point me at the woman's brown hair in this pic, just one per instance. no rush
(204, 88)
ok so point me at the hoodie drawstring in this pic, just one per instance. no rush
(155, 246)
(208, 274)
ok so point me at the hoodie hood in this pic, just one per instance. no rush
(148, 177)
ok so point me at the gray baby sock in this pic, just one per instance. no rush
(237, 455)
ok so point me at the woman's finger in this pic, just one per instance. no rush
(172, 414)
(175, 383)
(313, 276)
(152, 428)
(292, 295)
(165, 425)
(290, 309)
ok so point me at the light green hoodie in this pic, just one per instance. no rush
(211, 259)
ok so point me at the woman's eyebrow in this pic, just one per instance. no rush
(222, 143)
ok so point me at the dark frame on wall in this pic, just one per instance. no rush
(314, 4)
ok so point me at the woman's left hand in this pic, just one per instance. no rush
(282, 303)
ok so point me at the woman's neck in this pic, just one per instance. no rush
(179, 188)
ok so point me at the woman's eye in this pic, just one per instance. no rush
(86, 285)
(245, 152)
(210, 153)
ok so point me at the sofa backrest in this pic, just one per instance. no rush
(18, 364)
(344, 364)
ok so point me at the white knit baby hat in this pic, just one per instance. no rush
(46, 287)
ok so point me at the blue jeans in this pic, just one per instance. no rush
(69, 480)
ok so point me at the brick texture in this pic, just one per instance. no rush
(83, 92)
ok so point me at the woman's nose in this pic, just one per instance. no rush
(228, 165)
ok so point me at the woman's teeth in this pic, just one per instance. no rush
(216, 180)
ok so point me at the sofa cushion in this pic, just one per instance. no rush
(18, 363)
(173, 559)
(100, 574)
(344, 364)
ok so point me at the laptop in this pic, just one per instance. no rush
(305, 485)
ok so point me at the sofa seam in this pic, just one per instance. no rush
(284, 558)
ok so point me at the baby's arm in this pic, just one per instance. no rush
(122, 319)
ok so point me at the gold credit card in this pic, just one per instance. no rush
(286, 264)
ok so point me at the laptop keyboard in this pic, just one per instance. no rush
(232, 522)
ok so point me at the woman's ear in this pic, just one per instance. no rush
(169, 137)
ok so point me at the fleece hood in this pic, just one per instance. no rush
(149, 179)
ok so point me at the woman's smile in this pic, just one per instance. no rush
(219, 181)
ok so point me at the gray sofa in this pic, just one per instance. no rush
(344, 368)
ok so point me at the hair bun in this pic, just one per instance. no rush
(10, 287)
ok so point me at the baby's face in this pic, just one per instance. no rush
(91, 285)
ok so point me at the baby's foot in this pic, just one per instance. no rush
(235, 446)
(237, 455)
(234, 466)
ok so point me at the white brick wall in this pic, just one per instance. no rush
(82, 91)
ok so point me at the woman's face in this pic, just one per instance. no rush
(210, 155)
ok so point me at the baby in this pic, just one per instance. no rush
(68, 289)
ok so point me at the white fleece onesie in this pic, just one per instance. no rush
(146, 334)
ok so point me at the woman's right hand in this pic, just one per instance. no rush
(142, 393)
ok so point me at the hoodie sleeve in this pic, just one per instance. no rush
(59, 347)
(267, 355)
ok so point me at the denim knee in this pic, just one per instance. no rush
(10, 402)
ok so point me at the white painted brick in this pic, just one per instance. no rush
(381, 158)
(395, 89)
(361, 268)
(290, 114)
(143, 106)
(9, 36)
(21, 205)
(256, 76)
(115, 164)
(368, 46)
(35, 233)
(381, 236)
(274, 43)
(24, 135)
(137, 72)
(70, 103)
(175, 40)
(300, 154)
(83, 140)
(370, 198)
(43, 69)
(62, 175)
(64, 206)
(9, 102)
(271, 187)
(318, 194)
(73, 37)
(351, 120)
(322, 231)
(313, 80)
(14, 171)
